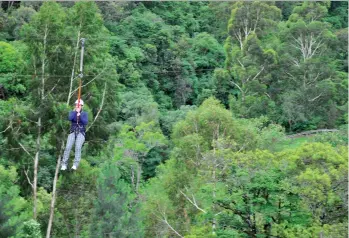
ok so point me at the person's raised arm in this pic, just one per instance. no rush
(84, 118)
(72, 116)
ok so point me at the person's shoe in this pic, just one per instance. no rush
(74, 167)
(64, 167)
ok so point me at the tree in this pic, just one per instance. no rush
(138, 106)
(256, 199)
(76, 194)
(116, 210)
(46, 27)
(12, 63)
(31, 229)
(160, 207)
(309, 66)
(251, 17)
(132, 151)
(320, 179)
(16, 19)
(169, 118)
(14, 209)
(251, 57)
(338, 15)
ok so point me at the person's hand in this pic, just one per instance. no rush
(78, 109)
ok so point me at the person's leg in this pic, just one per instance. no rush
(78, 144)
(70, 143)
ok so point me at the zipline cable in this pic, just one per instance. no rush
(80, 73)
(81, 65)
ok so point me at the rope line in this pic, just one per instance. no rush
(69, 76)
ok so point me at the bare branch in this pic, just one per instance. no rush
(295, 61)
(312, 100)
(292, 77)
(52, 88)
(258, 73)
(243, 146)
(26, 150)
(53, 197)
(72, 93)
(241, 63)
(237, 86)
(9, 126)
(26, 174)
(255, 24)
(192, 201)
(164, 219)
(100, 107)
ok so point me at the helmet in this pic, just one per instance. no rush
(81, 102)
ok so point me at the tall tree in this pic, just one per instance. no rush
(116, 212)
(309, 66)
(249, 60)
(14, 209)
(47, 28)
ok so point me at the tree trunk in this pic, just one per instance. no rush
(214, 193)
(38, 143)
(139, 173)
(36, 164)
(53, 199)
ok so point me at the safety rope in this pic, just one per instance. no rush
(80, 74)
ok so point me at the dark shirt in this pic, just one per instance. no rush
(78, 122)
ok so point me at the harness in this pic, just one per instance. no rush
(77, 129)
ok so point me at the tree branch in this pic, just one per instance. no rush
(52, 89)
(237, 86)
(192, 202)
(26, 174)
(163, 219)
(26, 150)
(100, 107)
(72, 93)
(312, 100)
(258, 73)
(9, 126)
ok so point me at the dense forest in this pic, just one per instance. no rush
(192, 107)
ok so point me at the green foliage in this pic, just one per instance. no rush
(31, 229)
(310, 11)
(17, 18)
(256, 200)
(116, 212)
(319, 170)
(138, 106)
(338, 14)
(335, 139)
(139, 149)
(206, 125)
(10, 59)
(14, 209)
(190, 138)
(76, 194)
(169, 118)
(11, 63)
(161, 199)
(201, 232)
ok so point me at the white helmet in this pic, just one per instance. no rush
(81, 102)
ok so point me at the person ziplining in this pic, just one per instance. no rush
(79, 120)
